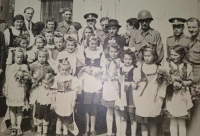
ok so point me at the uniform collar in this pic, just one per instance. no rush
(64, 23)
(148, 32)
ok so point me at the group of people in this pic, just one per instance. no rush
(48, 68)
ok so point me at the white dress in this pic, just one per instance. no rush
(180, 102)
(15, 93)
(66, 87)
(149, 96)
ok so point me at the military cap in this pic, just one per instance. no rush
(177, 21)
(90, 16)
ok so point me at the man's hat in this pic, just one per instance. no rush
(177, 21)
(113, 22)
(90, 16)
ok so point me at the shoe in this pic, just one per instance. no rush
(19, 132)
(85, 134)
(13, 132)
(33, 129)
(93, 133)
(38, 134)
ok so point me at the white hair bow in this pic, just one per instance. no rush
(129, 48)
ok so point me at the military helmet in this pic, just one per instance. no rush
(144, 14)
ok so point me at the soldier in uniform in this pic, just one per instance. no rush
(147, 36)
(104, 32)
(178, 37)
(91, 21)
(193, 25)
(65, 24)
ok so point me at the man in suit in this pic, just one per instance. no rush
(28, 24)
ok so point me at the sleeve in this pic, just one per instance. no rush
(75, 83)
(190, 72)
(132, 41)
(55, 84)
(137, 73)
(33, 95)
(2, 51)
(31, 69)
(7, 37)
(159, 48)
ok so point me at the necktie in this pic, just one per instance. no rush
(29, 25)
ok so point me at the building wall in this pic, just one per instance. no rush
(161, 11)
(20, 5)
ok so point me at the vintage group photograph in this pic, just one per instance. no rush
(99, 68)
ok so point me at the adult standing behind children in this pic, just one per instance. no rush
(147, 36)
(103, 34)
(179, 37)
(113, 28)
(194, 58)
(28, 24)
(91, 21)
(65, 24)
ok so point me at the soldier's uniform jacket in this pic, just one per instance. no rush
(182, 41)
(151, 37)
(102, 35)
(194, 51)
(63, 27)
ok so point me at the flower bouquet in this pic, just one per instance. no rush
(195, 91)
(163, 75)
(22, 77)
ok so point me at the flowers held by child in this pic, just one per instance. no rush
(195, 91)
(22, 77)
(163, 75)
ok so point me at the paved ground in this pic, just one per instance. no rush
(100, 125)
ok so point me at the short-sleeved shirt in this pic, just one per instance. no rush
(63, 27)
(151, 37)
(182, 41)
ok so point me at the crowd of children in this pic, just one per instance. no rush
(58, 68)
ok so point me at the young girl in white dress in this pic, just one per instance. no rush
(15, 91)
(150, 94)
(127, 71)
(178, 101)
(92, 84)
(66, 87)
(111, 88)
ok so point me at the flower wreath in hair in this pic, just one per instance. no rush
(130, 51)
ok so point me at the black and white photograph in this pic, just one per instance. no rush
(99, 67)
